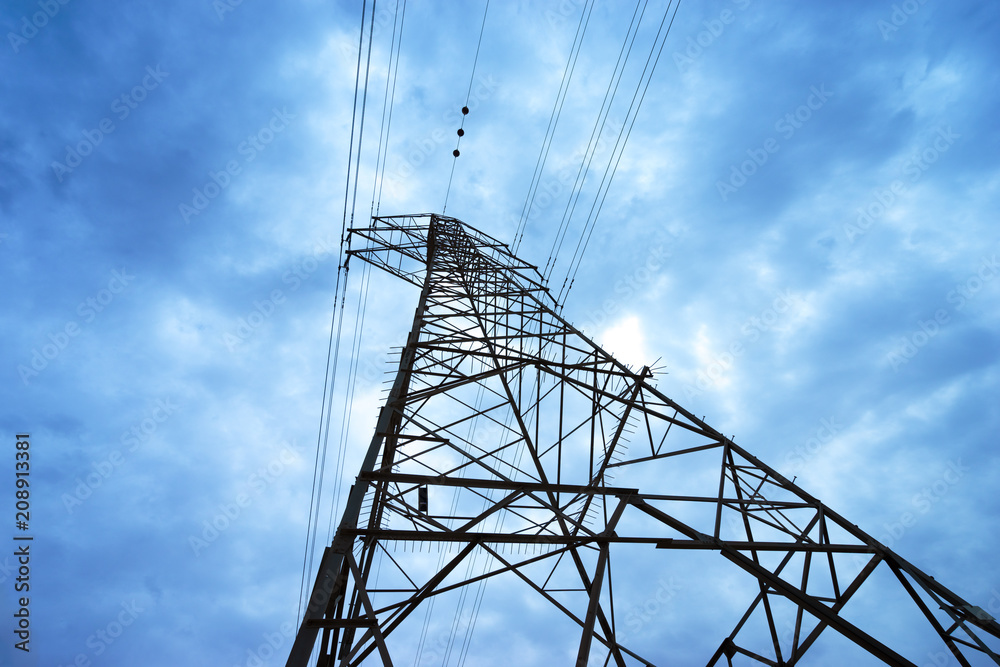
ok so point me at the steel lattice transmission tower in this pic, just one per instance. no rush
(513, 424)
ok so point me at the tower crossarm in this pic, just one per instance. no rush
(398, 244)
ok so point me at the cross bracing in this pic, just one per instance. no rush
(505, 452)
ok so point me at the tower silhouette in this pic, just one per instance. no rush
(506, 451)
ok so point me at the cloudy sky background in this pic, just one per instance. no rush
(836, 310)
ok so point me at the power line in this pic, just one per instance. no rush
(333, 350)
(362, 309)
(392, 100)
(465, 109)
(619, 147)
(543, 154)
(595, 136)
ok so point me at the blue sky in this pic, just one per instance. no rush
(802, 229)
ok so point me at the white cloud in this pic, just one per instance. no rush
(625, 339)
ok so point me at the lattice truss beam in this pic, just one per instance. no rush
(515, 426)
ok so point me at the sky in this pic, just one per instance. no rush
(801, 232)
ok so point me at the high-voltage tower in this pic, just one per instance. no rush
(511, 448)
